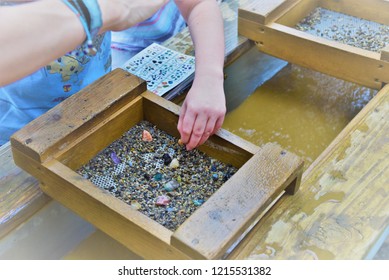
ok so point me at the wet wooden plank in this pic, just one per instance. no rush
(20, 196)
(342, 208)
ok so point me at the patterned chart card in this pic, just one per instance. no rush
(163, 69)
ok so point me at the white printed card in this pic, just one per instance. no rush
(163, 69)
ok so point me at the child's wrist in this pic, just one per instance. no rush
(89, 14)
(109, 14)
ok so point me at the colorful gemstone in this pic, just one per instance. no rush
(174, 163)
(162, 200)
(198, 202)
(171, 185)
(115, 158)
(158, 177)
(146, 136)
(166, 159)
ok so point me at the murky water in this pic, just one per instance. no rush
(299, 109)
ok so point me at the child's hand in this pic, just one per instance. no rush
(203, 111)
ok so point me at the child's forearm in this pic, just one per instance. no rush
(34, 34)
(203, 110)
(206, 28)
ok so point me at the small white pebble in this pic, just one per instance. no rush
(174, 163)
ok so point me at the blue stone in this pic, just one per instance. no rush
(171, 185)
(158, 177)
(198, 202)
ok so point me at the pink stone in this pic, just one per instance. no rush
(146, 136)
(162, 200)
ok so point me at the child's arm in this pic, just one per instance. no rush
(34, 34)
(204, 108)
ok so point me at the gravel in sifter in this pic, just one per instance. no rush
(346, 29)
(141, 174)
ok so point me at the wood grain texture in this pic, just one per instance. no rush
(20, 196)
(385, 53)
(53, 131)
(264, 11)
(339, 213)
(215, 226)
(134, 230)
(84, 148)
(137, 232)
(117, 218)
(329, 57)
(342, 208)
(300, 10)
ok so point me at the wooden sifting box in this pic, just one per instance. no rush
(271, 24)
(56, 144)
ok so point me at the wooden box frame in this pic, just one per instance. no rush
(270, 24)
(69, 135)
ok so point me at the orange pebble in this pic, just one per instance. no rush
(180, 142)
(146, 136)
